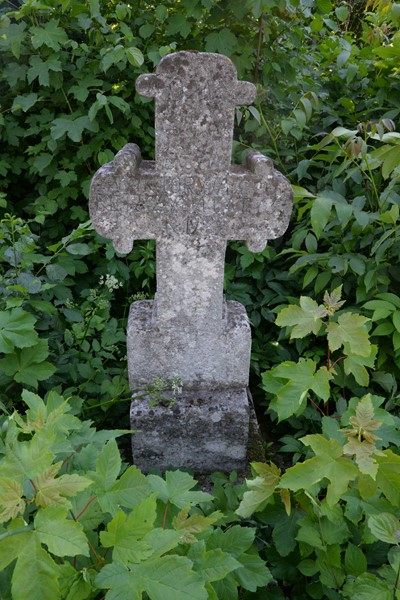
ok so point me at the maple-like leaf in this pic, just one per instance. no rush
(11, 502)
(350, 328)
(328, 463)
(53, 490)
(212, 565)
(332, 301)
(363, 453)
(177, 489)
(260, 489)
(189, 525)
(305, 319)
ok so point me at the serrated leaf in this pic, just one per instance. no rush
(284, 533)
(28, 365)
(235, 540)
(176, 489)
(24, 102)
(212, 565)
(368, 587)
(223, 41)
(17, 330)
(189, 525)
(295, 381)
(253, 572)
(320, 212)
(166, 578)
(108, 466)
(259, 489)
(48, 34)
(11, 547)
(54, 490)
(364, 453)
(328, 463)
(128, 491)
(385, 527)
(388, 477)
(62, 536)
(11, 501)
(135, 56)
(304, 319)
(349, 329)
(354, 561)
(35, 574)
(122, 534)
(356, 365)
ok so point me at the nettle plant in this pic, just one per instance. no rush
(75, 520)
(345, 361)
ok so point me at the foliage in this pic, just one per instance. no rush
(75, 520)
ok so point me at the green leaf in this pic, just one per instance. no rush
(223, 41)
(40, 69)
(166, 578)
(54, 490)
(28, 365)
(285, 531)
(235, 540)
(388, 478)
(304, 319)
(349, 329)
(259, 489)
(356, 365)
(328, 463)
(62, 536)
(354, 560)
(108, 466)
(296, 380)
(17, 330)
(11, 502)
(176, 489)
(36, 574)
(12, 547)
(368, 587)
(253, 572)
(189, 525)
(48, 34)
(178, 24)
(24, 102)
(319, 215)
(135, 57)
(385, 527)
(212, 565)
(128, 491)
(73, 128)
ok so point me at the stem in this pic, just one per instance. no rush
(396, 583)
(165, 514)
(85, 508)
(273, 140)
(260, 28)
(316, 406)
(67, 101)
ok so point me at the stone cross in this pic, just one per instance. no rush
(191, 200)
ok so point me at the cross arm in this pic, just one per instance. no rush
(122, 197)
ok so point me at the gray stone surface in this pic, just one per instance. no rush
(191, 200)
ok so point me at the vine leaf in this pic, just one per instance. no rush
(349, 329)
(52, 489)
(176, 489)
(290, 383)
(304, 319)
(327, 463)
(260, 489)
(11, 501)
(62, 536)
(212, 565)
(35, 574)
(188, 526)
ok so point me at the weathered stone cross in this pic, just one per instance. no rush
(191, 200)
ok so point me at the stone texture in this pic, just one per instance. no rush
(191, 200)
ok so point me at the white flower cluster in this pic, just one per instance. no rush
(110, 282)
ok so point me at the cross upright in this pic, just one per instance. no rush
(191, 199)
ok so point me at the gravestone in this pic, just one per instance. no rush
(191, 200)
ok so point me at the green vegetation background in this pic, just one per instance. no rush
(322, 519)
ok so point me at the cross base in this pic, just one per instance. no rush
(214, 358)
(203, 430)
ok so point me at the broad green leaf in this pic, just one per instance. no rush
(328, 463)
(189, 525)
(128, 491)
(223, 41)
(24, 102)
(253, 572)
(62, 536)
(349, 329)
(48, 34)
(162, 540)
(54, 490)
(17, 330)
(319, 215)
(385, 527)
(364, 454)
(166, 578)
(388, 477)
(12, 547)
(35, 574)
(309, 533)
(356, 365)
(235, 540)
(259, 489)
(108, 466)
(40, 69)
(26, 458)
(11, 500)
(354, 560)
(176, 489)
(296, 380)
(367, 587)
(135, 56)
(29, 365)
(212, 565)
(304, 319)
(285, 531)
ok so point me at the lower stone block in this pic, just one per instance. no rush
(204, 431)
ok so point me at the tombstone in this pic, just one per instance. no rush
(191, 200)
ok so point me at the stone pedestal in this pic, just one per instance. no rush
(203, 430)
